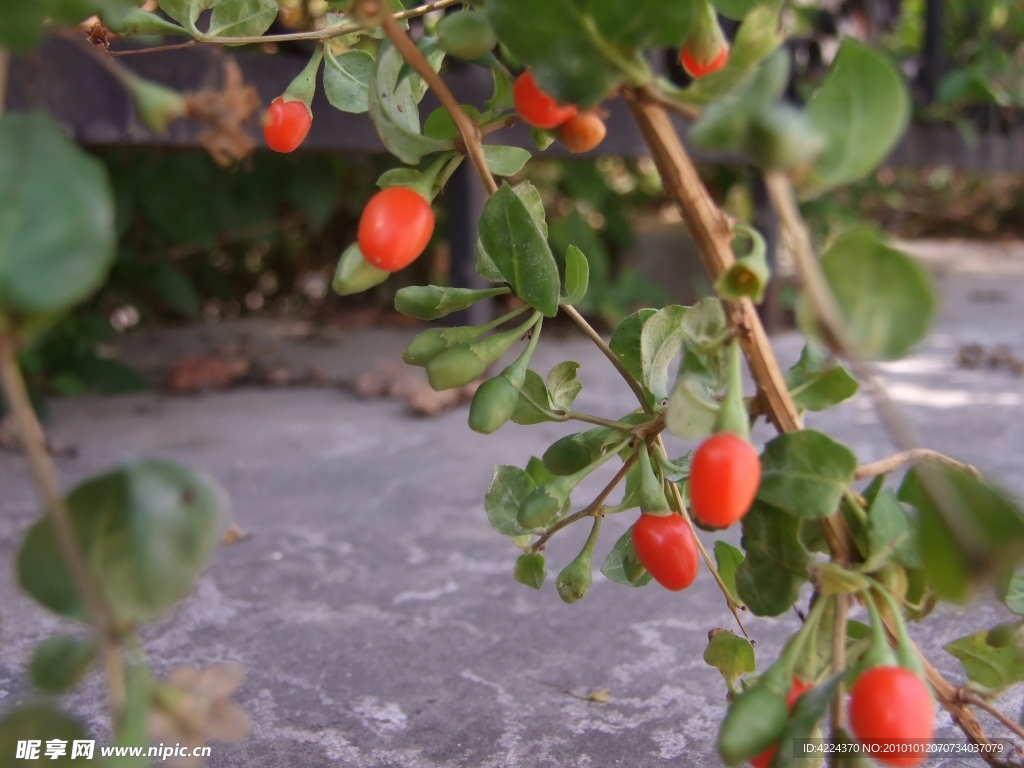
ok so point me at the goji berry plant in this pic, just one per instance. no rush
(807, 518)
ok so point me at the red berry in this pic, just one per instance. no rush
(286, 124)
(724, 477)
(698, 69)
(667, 548)
(892, 703)
(395, 228)
(796, 690)
(536, 107)
(582, 132)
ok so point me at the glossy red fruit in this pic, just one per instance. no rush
(724, 477)
(892, 703)
(536, 107)
(698, 69)
(395, 228)
(582, 132)
(796, 690)
(667, 548)
(286, 124)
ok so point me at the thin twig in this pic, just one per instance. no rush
(156, 49)
(882, 466)
(45, 476)
(600, 421)
(688, 111)
(328, 33)
(734, 607)
(970, 697)
(468, 130)
(588, 510)
(612, 357)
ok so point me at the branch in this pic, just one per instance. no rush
(970, 697)
(328, 33)
(612, 357)
(712, 233)
(912, 456)
(468, 130)
(688, 111)
(590, 509)
(729, 600)
(45, 477)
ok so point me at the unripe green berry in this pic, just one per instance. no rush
(455, 367)
(466, 35)
(493, 405)
(425, 347)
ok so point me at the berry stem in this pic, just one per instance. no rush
(734, 607)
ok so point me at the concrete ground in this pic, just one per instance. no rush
(374, 608)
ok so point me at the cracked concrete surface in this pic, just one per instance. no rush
(374, 608)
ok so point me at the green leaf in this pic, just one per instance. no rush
(347, 79)
(59, 662)
(1013, 594)
(891, 529)
(57, 239)
(704, 325)
(577, 275)
(661, 338)
(509, 486)
(643, 23)
(728, 558)
(538, 472)
(731, 655)
(530, 570)
(737, 9)
(175, 290)
(520, 250)
(805, 473)
(817, 382)
(982, 538)
(505, 161)
(768, 580)
(625, 343)
(623, 562)
(676, 470)
(691, 411)
(563, 385)
(534, 406)
(863, 107)
(439, 124)
(242, 18)
(758, 37)
(185, 12)
(885, 297)
(147, 531)
(39, 723)
(394, 111)
(557, 46)
(532, 200)
(991, 666)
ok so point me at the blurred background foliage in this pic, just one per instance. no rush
(202, 244)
